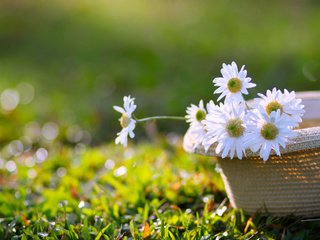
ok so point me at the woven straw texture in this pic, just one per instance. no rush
(289, 184)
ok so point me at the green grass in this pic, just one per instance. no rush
(145, 192)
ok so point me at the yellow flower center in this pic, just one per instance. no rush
(124, 120)
(200, 115)
(234, 127)
(234, 85)
(269, 131)
(273, 106)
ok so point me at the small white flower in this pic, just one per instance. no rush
(195, 114)
(226, 126)
(233, 83)
(206, 140)
(126, 121)
(267, 132)
(211, 107)
(198, 135)
(286, 102)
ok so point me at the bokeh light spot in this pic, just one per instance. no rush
(30, 162)
(50, 131)
(32, 130)
(120, 171)
(61, 172)
(74, 134)
(26, 91)
(32, 173)
(41, 155)
(109, 164)
(11, 166)
(15, 148)
(9, 99)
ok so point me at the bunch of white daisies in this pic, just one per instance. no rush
(233, 126)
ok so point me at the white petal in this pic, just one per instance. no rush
(131, 134)
(220, 90)
(250, 85)
(276, 149)
(244, 91)
(219, 80)
(119, 109)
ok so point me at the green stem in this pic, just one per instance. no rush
(161, 117)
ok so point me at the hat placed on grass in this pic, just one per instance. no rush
(283, 185)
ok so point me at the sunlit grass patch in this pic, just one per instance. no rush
(135, 193)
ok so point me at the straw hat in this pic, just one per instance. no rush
(283, 185)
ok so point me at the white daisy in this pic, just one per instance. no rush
(268, 131)
(233, 83)
(286, 102)
(226, 126)
(207, 141)
(195, 114)
(126, 121)
(198, 135)
(211, 107)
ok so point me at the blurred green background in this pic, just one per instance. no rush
(64, 64)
